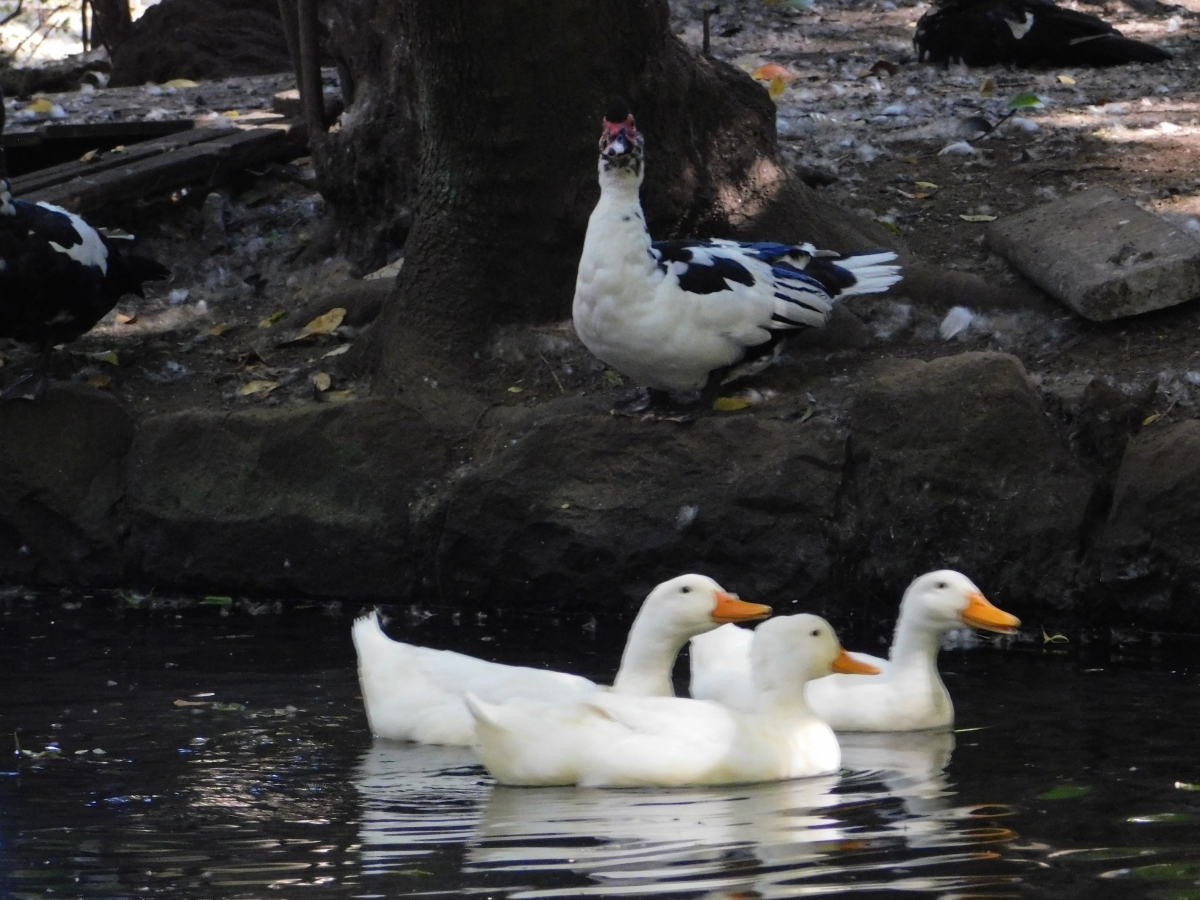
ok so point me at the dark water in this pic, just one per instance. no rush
(1071, 776)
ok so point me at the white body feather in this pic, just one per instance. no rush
(633, 314)
(612, 740)
(907, 695)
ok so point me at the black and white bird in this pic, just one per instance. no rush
(686, 314)
(1025, 33)
(58, 277)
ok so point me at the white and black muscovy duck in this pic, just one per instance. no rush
(58, 277)
(1025, 33)
(686, 314)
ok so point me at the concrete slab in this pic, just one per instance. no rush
(1101, 254)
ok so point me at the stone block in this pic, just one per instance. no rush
(1101, 255)
(955, 464)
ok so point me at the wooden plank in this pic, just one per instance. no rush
(44, 178)
(207, 163)
(129, 132)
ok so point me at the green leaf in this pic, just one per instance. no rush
(1028, 100)
(1186, 786)
(214, 600)
(1168, 871)
(1065, 792)
(613, 378)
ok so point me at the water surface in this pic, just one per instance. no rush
(189, 750)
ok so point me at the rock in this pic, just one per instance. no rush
(575, 506)
(314, 500)
(1101, 254)
(1147, 560)
(60, 482)
(954, 464)
(202, 39)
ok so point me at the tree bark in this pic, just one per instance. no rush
(507, 101)
(111, 22)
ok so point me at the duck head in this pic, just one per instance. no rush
(946, 600)
(789, 651)
(621, 145)
(696, 604)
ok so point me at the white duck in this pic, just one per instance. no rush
(416, 694)
(679, 315)
(617, 740)
(909, 694)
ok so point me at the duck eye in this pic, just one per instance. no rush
(685, 590)
(942, 585)
(816, 632)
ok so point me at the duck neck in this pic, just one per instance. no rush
(618, 221)
(648, 659)
(915, 647)
(786, 702)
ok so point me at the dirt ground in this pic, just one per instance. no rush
(247, 271)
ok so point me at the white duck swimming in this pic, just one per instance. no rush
(679, 315)
(616, 740)
(909, 694)
(416, 693)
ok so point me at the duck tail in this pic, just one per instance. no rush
(869, 272)
(484, 713)
(1113, 50)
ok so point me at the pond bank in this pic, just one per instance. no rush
(437, 498)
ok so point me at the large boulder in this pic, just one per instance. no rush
(1147, 561)
(202, 39)
(313, 500)
(572, 505)
(955, 464)
(60, 483)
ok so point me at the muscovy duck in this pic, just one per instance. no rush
(58, 277)
(1026, 33)
(686, 314)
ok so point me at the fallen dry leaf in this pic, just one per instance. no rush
(108, 356)
(183, 703)
(729, 404)
(325, 324)
(123, 319)
(40, 105)
(338, 396)
(883, 66)
(89, 156)
(271, 319)
(1065, 79)
(321, 381)
(979, 218)
(928, 185)
(1151, 419)
(97, 380)
(180, 83)
(515, 389)
(776, 87)
(987, 88)
(219, 329)
(258, 386)
(336, 351)
(771, 71)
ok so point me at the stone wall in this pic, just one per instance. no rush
(951, 463)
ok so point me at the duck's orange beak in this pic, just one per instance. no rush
(848, 665)
(981, 614)
(730, 609)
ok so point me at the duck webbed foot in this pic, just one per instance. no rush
(650, 404)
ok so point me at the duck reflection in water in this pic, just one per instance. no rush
(895, 806)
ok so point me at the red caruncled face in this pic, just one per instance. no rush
(620, 142)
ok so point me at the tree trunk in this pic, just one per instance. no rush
(111, 22)
(498, 108)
